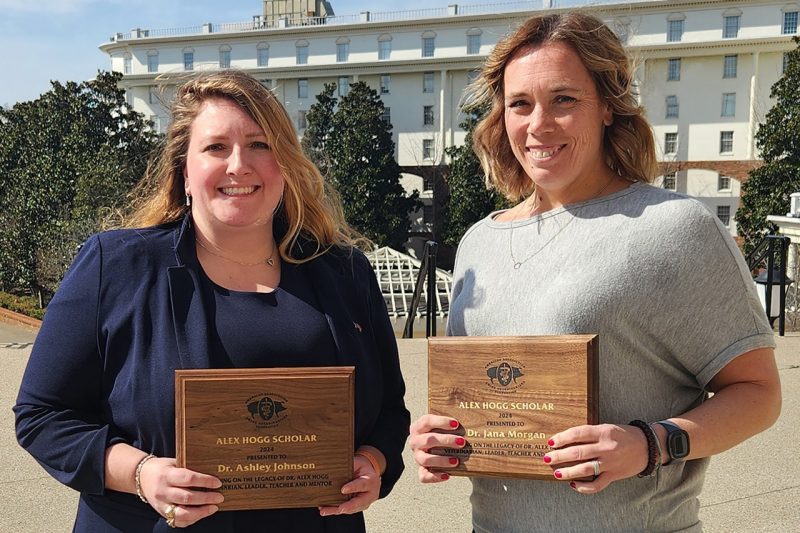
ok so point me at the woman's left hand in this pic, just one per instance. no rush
(620, 451)
(364, 487)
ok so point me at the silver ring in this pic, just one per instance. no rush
(596, 466)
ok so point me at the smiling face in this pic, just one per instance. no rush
(555, 121)
(230, 173)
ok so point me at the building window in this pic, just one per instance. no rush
(156, 120)
(428, 44)
(724, 214)
(730, 66)
(672, 106)
(152, 94)
(427, 149)
(342, 50)
(730, 27)
(671, 143)
(728, 104)
(723, 183)
(785, 62)
(152, 61)
(386, 83)
(474, 41)
(789, 22)
(129, 98)
(670, 181)
(472, 75)
(266, 82)
(674, 31)
(386, 116)
(384, 47)
(427, 82)
(726, 142)
(302, 88)
(188, 61)
(263, 54)
(622, 27)
(301, 120)
(344, 85)
(674, 69)
(301, 52)
(427, 115)
(127, 64)
(225, 56)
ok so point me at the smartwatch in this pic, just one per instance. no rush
(677, 441)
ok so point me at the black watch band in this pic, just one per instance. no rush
(677, 441)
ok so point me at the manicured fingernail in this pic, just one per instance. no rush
(551, 442)
(453, 461)
(572, 484)
(460, 441)
(445, 477)
(557, 473)
(454, 423)
(547, 459)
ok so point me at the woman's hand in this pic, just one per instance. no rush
(620, 451)
(432, 431)
(364, 487)
(170, 489)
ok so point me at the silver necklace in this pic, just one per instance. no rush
(268, 261)
(518, 263)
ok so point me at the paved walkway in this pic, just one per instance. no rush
(754, 487)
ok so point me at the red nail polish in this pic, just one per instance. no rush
(445, 477)
(572, 484)
(547, 459)
(453, 461)
(453, 423)
(460, 441)
(557, 473)
(551, 442)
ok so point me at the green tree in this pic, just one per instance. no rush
(767, 190)
(65, 159)
(470, 200)
(320, 124)
(363, 169)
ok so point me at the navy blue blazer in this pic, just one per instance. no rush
(127, 314)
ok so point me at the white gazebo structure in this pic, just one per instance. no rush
(397, 276)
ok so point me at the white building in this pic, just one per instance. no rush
(705, 70)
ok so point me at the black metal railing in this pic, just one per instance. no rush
(768, 249)
(426, 269)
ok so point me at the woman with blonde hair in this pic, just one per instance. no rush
(235, 256)
(593, 249)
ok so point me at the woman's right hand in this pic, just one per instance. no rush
(433, 431)
(165, 485)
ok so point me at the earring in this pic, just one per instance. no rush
(188, 201)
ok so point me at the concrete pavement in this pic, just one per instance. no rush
(754, 487)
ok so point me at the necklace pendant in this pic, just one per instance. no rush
(517, 265)
(270, 262)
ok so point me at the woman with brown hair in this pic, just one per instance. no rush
(236, 256)
(592, 248)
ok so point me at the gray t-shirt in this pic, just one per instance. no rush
(662, 283)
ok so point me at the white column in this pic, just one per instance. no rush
(753, 123)
(442, 88)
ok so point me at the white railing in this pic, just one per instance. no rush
(259, 23)
(397, 276)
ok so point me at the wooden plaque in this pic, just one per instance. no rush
(276, 437)
(511, 394)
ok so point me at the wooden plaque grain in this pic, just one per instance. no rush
(276, 437)
(510, 395)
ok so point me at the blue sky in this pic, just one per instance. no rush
(58, 39)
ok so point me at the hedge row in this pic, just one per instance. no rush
(26, 305)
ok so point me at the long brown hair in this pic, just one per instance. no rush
(310, 207)
(628, 142)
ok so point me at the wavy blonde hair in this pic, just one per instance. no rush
(310, 206)
(628, 142)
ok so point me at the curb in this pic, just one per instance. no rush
(7, 315)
